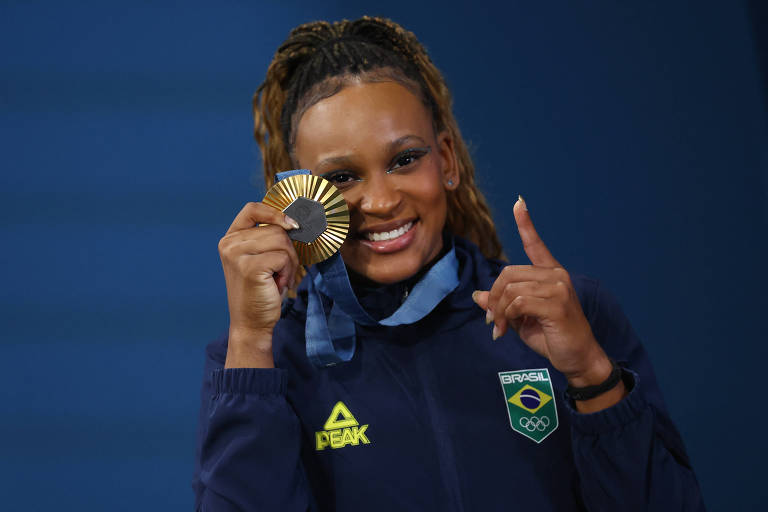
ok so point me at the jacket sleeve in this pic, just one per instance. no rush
(630, 456)
(249, 440)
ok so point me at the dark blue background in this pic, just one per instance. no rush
(636, 133)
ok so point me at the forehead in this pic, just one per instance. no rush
(360, 117)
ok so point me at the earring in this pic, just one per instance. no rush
(450, 183)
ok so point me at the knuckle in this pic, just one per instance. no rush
(562, 274)
(247, 209)
(224, 246)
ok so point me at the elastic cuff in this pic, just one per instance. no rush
(260, 381)
(626, 411)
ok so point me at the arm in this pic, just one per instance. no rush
(630, 455)
(249, 439)
(626, 449)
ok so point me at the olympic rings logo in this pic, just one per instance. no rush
(535, 423)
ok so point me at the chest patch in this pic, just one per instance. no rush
(341, 429)
(530, 402)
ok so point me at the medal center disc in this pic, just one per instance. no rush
(311, 218)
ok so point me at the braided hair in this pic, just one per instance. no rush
(319, 58)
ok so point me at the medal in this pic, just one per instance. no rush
(320, 210)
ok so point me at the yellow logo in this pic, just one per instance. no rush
(530, 398)
(341, 429)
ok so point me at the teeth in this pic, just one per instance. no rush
(389, 235)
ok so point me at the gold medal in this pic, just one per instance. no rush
(320, 210)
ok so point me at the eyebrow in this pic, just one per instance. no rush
(347, 160)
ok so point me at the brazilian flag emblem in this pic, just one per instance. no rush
(530, 402)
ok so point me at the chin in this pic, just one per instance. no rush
(388, 257)
(389, 275)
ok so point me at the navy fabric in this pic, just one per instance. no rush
(437, 422)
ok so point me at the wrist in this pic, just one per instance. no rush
(596, 397)
(249, 348)
(255, 338)
(595, 372)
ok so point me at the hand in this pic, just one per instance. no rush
(259, 265)
(539, 302)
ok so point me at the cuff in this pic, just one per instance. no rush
(626, 411)
(258, 381)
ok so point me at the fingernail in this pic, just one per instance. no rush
(291, 222)
(520, 198)
(474, 295)
(496, 332)
(488, 317)
(284, 294)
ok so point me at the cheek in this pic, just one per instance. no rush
(428, 197)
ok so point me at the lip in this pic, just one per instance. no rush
(395, 244)
(387, 226)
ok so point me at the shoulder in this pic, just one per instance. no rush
(610, 325)
(587, 289)
(597, 301)
(600, 306)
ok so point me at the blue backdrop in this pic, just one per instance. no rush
(636, 132)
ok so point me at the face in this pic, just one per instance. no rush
(376, 143)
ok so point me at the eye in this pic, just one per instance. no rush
(408, 158)
(340, 178)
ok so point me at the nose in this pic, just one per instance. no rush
(379, 197)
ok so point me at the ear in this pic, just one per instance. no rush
(448, 165)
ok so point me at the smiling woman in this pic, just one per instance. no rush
(407, 401)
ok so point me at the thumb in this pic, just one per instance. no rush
(481, 298)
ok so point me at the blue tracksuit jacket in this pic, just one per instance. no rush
(423, 421)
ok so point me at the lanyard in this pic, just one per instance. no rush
(332, 340)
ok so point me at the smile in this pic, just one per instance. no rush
(395, 240)
(389, 235)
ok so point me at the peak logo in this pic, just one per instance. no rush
(340, 429)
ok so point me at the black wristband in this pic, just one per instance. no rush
(589, 392)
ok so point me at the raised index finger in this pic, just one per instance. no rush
(254, 214)
(533, 245)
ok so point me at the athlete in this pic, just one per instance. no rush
(424, 406)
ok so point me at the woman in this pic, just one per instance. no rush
(412, 417)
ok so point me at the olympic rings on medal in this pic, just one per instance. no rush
(535, 423)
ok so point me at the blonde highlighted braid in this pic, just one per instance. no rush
(317, 51)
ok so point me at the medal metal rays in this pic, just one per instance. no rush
(320, 210)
